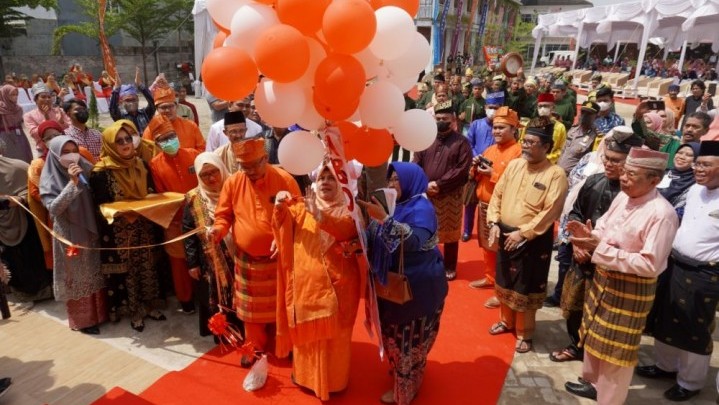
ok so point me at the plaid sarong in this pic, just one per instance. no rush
(255, 289)
(615, 313)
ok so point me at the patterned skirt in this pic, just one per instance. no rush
(449, 210)
(255, 289)
(483, 229)
(407, 347)
(614, 316)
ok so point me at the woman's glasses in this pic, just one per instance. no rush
(123, 140)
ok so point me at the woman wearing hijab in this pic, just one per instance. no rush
(11, 132)
(214, 271)
(19, 241)
(131, 275)
(318, 284)
(67, 197)
(677, 180)
(144, 149)
(668, 126)
(410, 329)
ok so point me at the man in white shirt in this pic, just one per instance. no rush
(216, 137)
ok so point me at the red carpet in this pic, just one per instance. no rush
(466, 365)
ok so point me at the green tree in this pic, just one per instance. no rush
(11, 20)
(89, 28)
(521, 38)
(146, 21)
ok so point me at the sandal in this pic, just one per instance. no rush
(569, 353)
(499, 328)
(451, 275)
(523, 345)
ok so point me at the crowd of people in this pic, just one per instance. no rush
(280, 256)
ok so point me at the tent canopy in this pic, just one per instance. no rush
(205, 32)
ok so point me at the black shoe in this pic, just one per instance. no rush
(654, 372)
(678, 394)
(466, 237)
(187, 308)
(555, 245)
(550, 302)
(5, 384)
(450, 274)
(584, 390)
(246, 361)
(92, 330)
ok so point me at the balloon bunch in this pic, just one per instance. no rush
(324, 62)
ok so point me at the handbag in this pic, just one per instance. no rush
(397, 289)
(469, 195)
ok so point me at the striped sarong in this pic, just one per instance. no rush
(255, 288)
(615, 312)
(449, 208)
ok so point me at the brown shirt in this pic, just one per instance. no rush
(447, 161)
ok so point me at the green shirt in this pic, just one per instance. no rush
(473, 109)
(566, 110)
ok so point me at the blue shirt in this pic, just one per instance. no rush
(605, 124)
(480, 136)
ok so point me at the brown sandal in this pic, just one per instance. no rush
(569, 353)
(523, 345)
(499, 328)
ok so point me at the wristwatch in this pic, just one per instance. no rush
(491, 224)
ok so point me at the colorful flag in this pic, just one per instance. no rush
(107, 58)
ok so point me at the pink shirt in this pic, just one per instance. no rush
(636, 235)
(34, 118)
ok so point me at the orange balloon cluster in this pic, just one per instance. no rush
(282, 53)
(304, 15)
(349, 25)
(370, 146)
(410, 6)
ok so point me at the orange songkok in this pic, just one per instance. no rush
(249, 150)
(160, 125)
(506, 115)
(164, 96)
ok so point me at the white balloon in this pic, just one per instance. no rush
(317, 54)
(405, 84)
(415, 130)
(222, 10)
(248, 23)
(279, 104)
(372, 65)
(381, 105)
(300, 152)
(395, 33)
(310, 119)
(414, 60)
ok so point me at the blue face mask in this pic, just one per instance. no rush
(170, 146)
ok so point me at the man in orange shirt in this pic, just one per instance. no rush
(674, 103)
(173, 170)
(246, 205)
(486, 170)
(187, 131)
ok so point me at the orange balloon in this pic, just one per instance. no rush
(219, 40)
(229, 73)
(349, 25)
(268, 2)
(349, 132)
(373, 146)
(282, 53)
(304, 15)
(334, 111)
(339, 79)
(220, 27)
(410, 6)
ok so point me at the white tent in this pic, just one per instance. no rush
(205, 32)
(672, 23)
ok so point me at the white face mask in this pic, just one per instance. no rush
(136, 141)
(544, 111)
(604, 106)
(69, 158)
(490, 112)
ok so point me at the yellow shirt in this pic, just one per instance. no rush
(535, 197)
(559, 137)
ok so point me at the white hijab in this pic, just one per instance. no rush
(210, 198)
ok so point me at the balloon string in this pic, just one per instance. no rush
(65, 241)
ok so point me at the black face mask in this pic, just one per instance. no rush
(82, 115)
(443, 127)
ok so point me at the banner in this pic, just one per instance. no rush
(493, 54)
(468, 34)
(107, 59)
(457, 28)
(482, 27)
(442, 27)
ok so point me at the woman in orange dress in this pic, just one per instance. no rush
(318, 285)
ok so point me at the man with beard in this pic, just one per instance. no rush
(446, 163)
(631, 245)
(127, 95)
(595, 195)
(686, 307)
(526, 201)
(89, 138)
